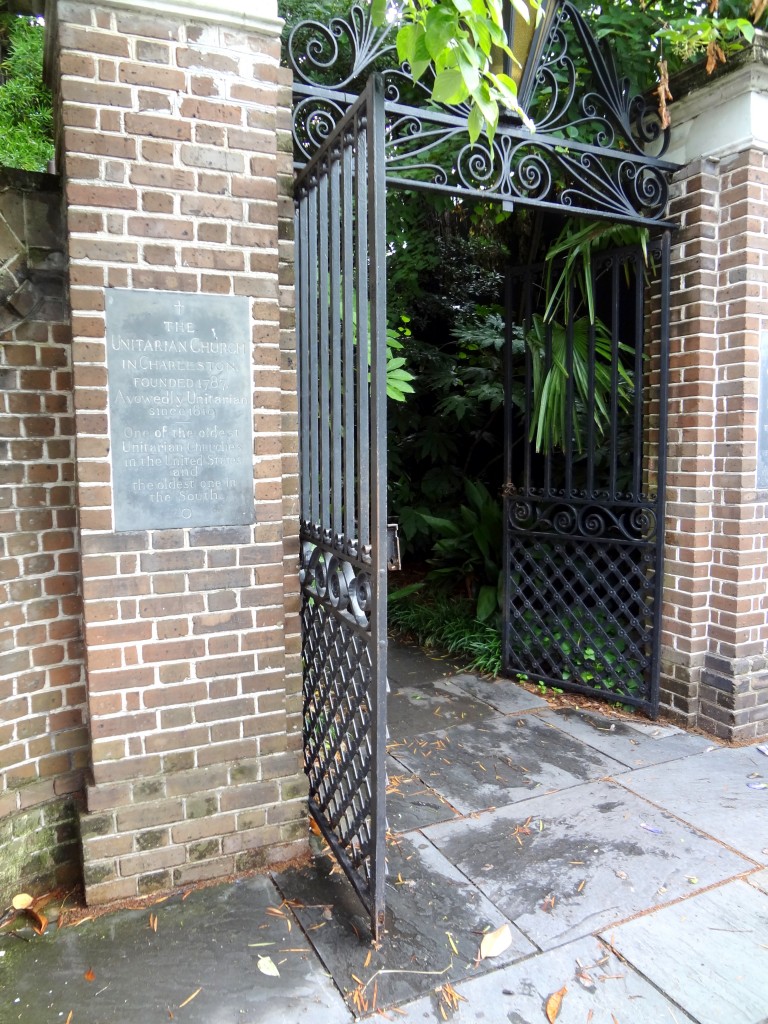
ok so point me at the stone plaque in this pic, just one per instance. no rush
(762, 416)
(180, 407)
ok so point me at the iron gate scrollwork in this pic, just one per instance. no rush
(584, 519)
(597, 149)
(341, 328)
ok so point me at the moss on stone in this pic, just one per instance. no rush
(38, 849)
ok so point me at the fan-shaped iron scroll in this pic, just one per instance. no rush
(597, 148)
(341, 328)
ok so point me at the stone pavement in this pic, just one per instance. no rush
(628, 859)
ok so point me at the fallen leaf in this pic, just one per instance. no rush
(39, 921)
(496, 942)
(70, 1015)
(585, 980)
(554, 1003)
(21, 901)
(267, 966)
(90, 975)
(153, 922)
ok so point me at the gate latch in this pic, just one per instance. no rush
(393, 548)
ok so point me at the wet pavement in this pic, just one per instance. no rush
(628, 859)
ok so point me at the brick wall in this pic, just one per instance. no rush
(43, 735)
(176, 155)
(715, 629)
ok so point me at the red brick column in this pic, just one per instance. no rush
(715, 639)
(176, 154)
(43, 733)
(690, 440)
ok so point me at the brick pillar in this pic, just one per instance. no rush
(43, 735)
(175, 150)
(715, 628)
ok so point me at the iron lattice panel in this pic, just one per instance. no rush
(337, 733)
(580, 614)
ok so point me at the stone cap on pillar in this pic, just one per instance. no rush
(250, 15)
(722, 114)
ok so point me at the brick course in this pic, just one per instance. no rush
(191, 635)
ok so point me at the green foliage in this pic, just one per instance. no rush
(468, 549)
(569, 286)
(458, 38)
(678, 31)
(26, 118)
(592, 651)
(399, 379)
(549, 426)
(570, 256)
(446, 279)
(446, 623)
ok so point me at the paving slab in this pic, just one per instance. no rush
(599, 989)
(564, 865)
(411, 666)
(710, 951)
(635, 744)
(413, 711)
(500, 761)
(724, 793)
(434, 924)
(502, 694)
(141, 976)
(412, 804)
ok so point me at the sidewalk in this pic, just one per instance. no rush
(629, 860)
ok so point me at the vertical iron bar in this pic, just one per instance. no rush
(302, 313)
(363, 339)
(614, 421)
(324, 427)
(506, 499)
(569, 393)
(591, 352)
(661, 469)
(348, 355)
(311, 438)
(637, 378)
(336, 379)
(548, 447)
(377, 240)
(526, 319)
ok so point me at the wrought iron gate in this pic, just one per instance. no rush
(584, 517)
(341, 328)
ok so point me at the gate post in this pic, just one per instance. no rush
(715, 613)
(176, 158)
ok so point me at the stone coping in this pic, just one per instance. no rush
(249, 15)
